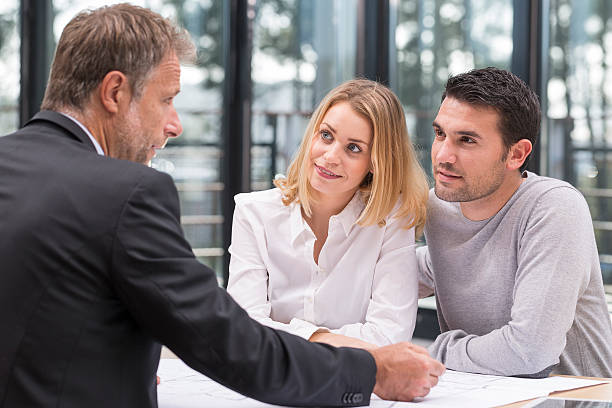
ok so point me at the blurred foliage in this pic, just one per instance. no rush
(436, 38)
(7, 26)
(204, 21)
(276, 28)
(276, 33)
(579, 100)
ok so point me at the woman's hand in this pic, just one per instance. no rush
(338, 340)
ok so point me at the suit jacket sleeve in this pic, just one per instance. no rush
(177, 301)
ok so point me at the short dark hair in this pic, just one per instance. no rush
(517, 104)
(122, 37)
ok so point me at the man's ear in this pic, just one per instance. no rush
(518, 154)
(114, 91)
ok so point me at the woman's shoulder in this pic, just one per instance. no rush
(395, 211)
(399, 216)
(264, 198)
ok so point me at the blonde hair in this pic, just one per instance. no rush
(396, 172)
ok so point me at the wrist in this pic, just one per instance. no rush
(319, 336)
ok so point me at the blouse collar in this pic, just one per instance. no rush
(347, 217)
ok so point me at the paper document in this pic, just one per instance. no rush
(182, 387)
(459, 389)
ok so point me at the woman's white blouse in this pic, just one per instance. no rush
(364, 286)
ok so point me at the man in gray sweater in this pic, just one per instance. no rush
(511, 256)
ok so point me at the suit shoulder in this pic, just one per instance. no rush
(121, 177)
(130, 170)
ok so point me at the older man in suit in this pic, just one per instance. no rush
(96, 273)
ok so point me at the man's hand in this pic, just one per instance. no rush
(404, 371)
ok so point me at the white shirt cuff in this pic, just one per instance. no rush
(304, 329)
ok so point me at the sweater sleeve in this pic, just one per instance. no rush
(426, 283)
(555, 255)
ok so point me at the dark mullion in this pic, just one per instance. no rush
(527, 58)
(36, 21)
(236, 128)
(373, 40)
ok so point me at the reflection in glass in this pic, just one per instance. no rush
(194, 159)
(438, 38)
(301, 50)
(197, 154)
(9, 66)
(569, 403)
(577, 114)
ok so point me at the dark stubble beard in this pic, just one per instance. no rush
(478, 187)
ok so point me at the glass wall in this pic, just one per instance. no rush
(194, 159)
(437, 38)
(577, 96)
(9, 66)
(301, 50)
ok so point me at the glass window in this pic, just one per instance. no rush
(194, 159)
(577, 98)
(9, 66)
(301, 50)
(437, 38)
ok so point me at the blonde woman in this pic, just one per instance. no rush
(329, 255)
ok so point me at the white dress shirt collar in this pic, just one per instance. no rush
(88, 133)
(347, 217)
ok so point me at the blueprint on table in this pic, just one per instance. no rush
(183, 387)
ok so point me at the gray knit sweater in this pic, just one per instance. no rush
(520, 293)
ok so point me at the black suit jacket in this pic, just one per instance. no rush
(95, 273)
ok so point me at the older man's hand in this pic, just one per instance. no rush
(405, 371)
